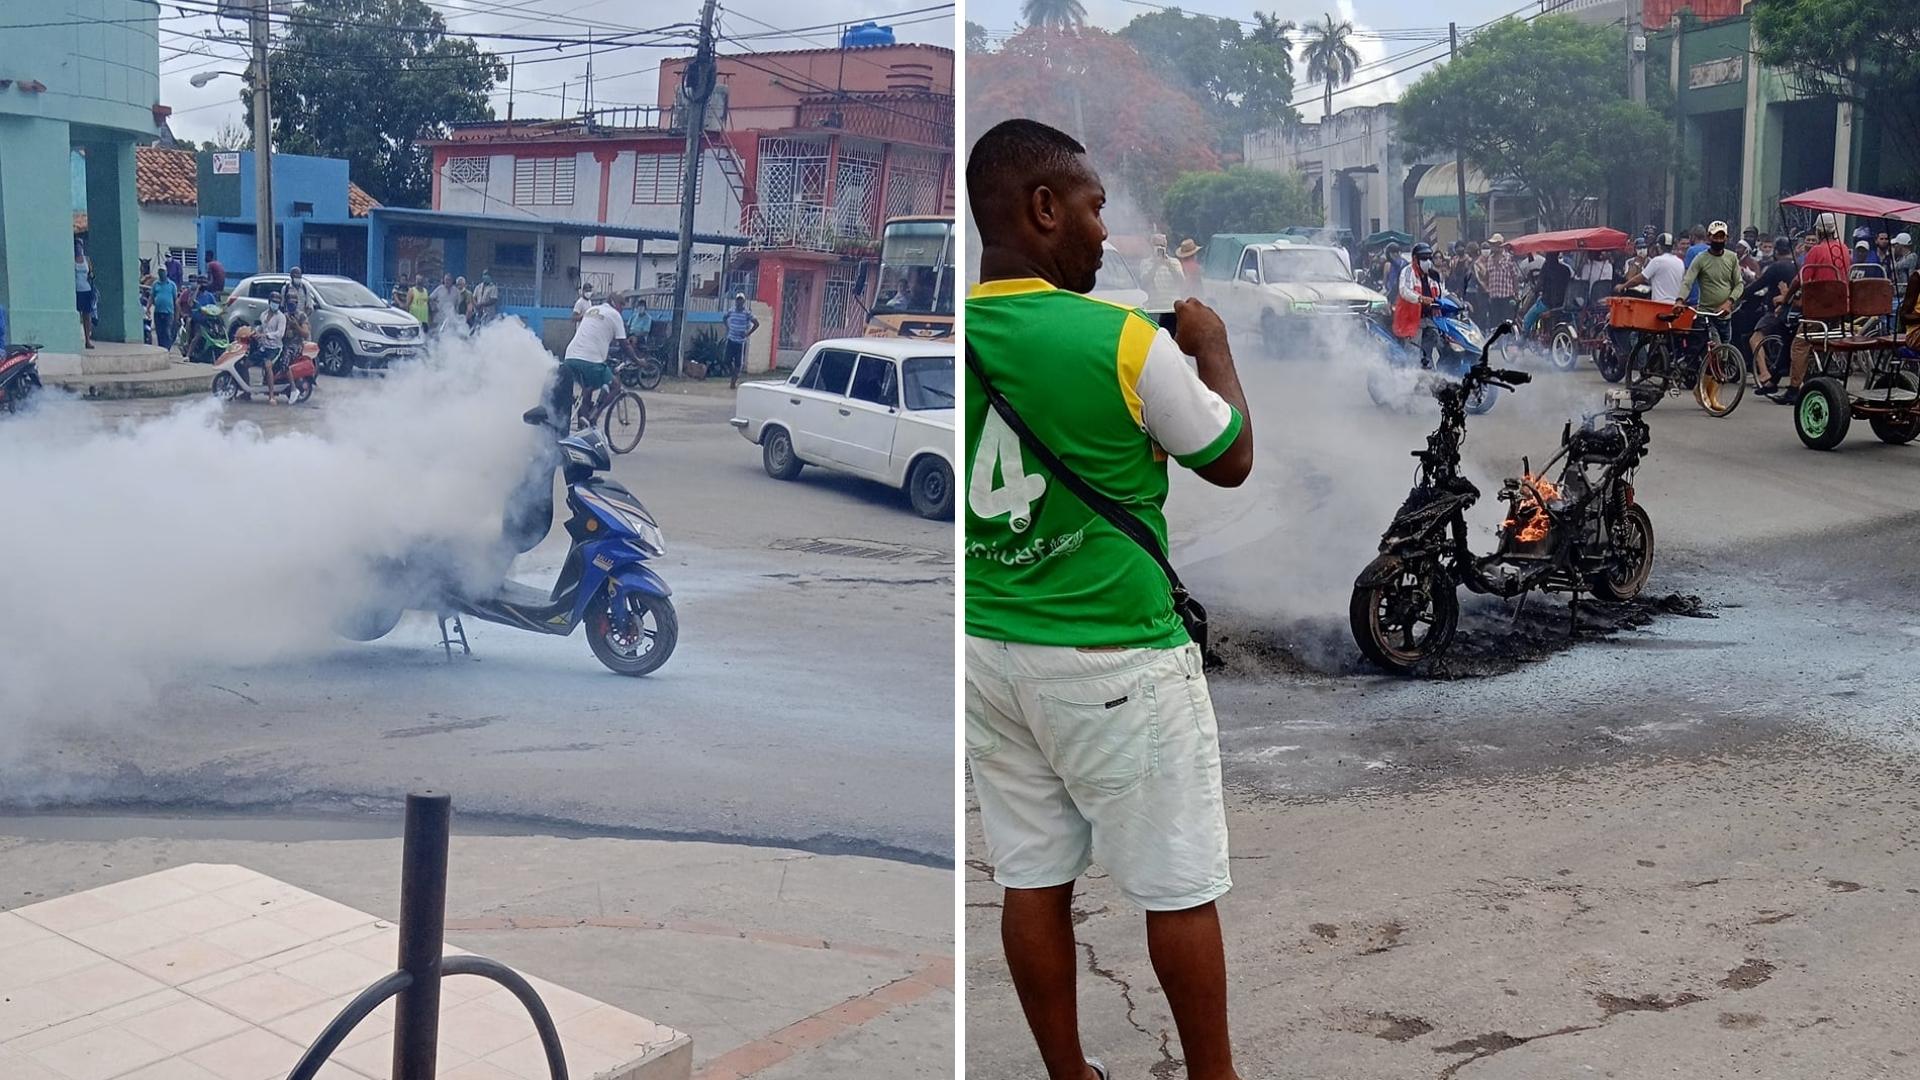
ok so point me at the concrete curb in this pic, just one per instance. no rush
(175, 380)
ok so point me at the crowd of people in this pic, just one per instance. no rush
(1748, 285)
(450, 305)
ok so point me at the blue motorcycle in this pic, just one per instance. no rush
(1405, 379)
(604, 581)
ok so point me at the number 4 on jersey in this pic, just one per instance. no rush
(999, 453)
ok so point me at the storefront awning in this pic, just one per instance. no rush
(1439, 183)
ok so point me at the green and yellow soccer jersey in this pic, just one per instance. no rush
(1112, 396)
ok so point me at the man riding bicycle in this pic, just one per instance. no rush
(586, 358)
(1717, 272)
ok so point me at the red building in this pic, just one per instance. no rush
(807, 154)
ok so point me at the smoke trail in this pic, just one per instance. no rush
(138, 552)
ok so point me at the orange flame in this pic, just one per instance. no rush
(1527, 520)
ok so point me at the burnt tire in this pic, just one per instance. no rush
(777, 455)
(649, 648)
(1386, 616)
(930, 488)
(1897, 430)
(1822, 415)
(1633, 540)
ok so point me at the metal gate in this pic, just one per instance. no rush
(839, 315)
(796, 312)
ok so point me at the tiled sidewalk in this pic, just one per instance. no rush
(207, 972)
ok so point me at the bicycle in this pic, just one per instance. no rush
(1715, 371)
(637, 369)
(618, 412)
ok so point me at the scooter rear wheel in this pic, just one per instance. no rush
(634, 641)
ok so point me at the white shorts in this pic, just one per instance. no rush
(1098, 755)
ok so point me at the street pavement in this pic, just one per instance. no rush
(787, 774)
(1681, 849)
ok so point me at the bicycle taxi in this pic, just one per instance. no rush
(1857, 365)
(1585, 333)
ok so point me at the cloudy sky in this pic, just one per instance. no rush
(192, 42)
(1390, 34)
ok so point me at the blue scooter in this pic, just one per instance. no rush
(604, 582)
(1405, 379)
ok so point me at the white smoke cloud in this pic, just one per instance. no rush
(139, 551)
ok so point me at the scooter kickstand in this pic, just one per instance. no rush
(446, 639)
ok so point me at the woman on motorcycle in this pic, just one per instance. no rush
(1421, 290)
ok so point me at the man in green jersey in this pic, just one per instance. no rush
(1090, 732)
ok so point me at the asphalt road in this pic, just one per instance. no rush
(1679, 847)
(808, 705)
(1807, 560)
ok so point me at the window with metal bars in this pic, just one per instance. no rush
(657, 178)
(467, 170)
(543, 181)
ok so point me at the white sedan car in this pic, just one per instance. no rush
(881, 408)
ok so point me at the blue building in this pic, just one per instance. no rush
(319, 216)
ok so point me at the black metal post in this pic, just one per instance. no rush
(423, 915)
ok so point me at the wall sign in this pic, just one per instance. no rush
(1716, 72)
(226, 164)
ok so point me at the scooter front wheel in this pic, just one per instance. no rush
(302, 390)
(632, 633)
(226, 387)
(1402, 613)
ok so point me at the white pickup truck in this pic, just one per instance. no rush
(1284, 286)
(881, 408)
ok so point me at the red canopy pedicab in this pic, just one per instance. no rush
(1857, 365)
(1586, 334)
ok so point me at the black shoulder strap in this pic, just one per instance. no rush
(1116, 515)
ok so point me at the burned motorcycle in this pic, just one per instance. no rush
(1582, 532)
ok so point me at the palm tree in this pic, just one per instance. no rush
(1271, 29)
(1330, 58)
(1055, 14)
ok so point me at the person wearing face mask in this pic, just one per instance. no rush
(1421, 290)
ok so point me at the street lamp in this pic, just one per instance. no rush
(206, 77)
(262, 149)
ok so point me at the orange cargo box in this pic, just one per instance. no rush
(1632, 313)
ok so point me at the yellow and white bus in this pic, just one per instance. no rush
(915, 295)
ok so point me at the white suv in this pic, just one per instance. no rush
(350, 323)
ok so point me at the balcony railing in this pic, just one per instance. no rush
(809, 227)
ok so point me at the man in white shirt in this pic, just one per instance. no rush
(600, 325)
(1662, 274)
(582, 305)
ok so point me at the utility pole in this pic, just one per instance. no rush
(1459, 164)
(262, 143)
(696, 88)
(1637, 93)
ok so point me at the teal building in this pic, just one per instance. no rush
(74, 74)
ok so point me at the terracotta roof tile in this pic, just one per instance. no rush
(167, 177)
(358, 201)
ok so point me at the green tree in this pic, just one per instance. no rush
(1241, 199)
(1544, 103)
(347, 84)
(1055, 14)
(976, 37)
(1244, 80)
(1866, 51)
(1330, 57)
